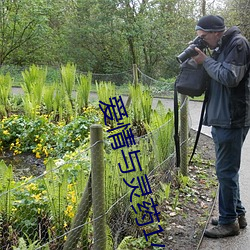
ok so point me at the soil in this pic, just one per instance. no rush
(25, 164)
(187, 222)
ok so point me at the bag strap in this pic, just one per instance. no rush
(176, 126)
(199, 127)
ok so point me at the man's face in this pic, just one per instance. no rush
(211, 38)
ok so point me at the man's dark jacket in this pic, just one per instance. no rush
(229, 90)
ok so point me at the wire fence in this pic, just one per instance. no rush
(56, 209)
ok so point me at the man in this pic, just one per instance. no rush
(228, 112)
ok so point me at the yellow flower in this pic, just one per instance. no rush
(14, 209)
(45, 151)
(69, 211)
(31, 187)
(38, 155)
(6, 132)
(17, 152)
(73, 199)
(37, 196)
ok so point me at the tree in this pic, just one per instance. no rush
(237, 13)
(20, 22)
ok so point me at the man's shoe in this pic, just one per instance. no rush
(241, 219)
(221, 231)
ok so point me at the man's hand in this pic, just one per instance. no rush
(200, 58)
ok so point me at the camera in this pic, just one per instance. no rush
(190, 51)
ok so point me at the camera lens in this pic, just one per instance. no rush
(187, 53)
(190, 51)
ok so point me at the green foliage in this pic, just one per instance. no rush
(106, 90)
(43, 137)
(161, 128)
(132, 243)
(164, 192)
(48, 98)
(176, 199)
(30, 206)
(83, 91)
(68, 74)
(23, 25)
(184, 181)
(56, 183)
(5, 90)
(141, 103)
(33, 85)
(29, 245)
(6, 184)
(103, 36)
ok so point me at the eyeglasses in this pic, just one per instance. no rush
(203, 36)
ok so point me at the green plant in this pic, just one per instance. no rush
(30, 207)
(68, 74)
(34, 81)
(132, 243)
(83, 91)
(141, 106)
(184, 181)
(42, 136)
(6, 184)
(176, 199)
(48, 98)
(56, 184)
(62, 104)
(5, 90)
(106, 90)
(166, 188)
(161, 132)
(28, 245)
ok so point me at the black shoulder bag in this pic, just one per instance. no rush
(192, 79)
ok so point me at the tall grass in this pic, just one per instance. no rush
(68, 74)
(141, 103)
(83, 91)
(33, 86)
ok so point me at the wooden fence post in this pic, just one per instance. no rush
(98, 194)
(135, 74)
(135, 82)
